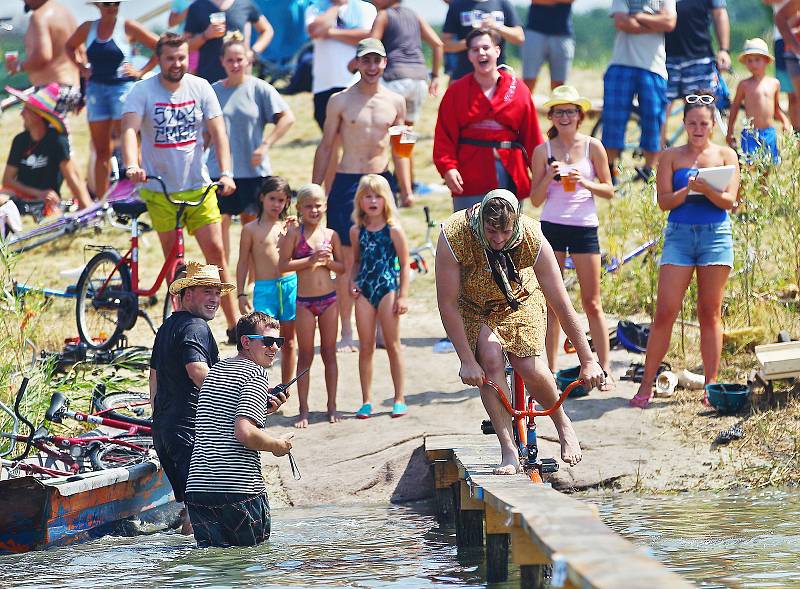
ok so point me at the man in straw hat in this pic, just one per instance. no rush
(760, 95)
(489, 315)
(46, 58)
(183, 352)
(39, 159)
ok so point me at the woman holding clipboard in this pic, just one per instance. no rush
(697, 238)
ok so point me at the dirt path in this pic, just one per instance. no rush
(380, 459)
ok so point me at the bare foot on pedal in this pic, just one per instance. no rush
(570, 445)
(506, 469)
(302, 421)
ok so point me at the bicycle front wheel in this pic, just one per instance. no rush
(103, 310)
(110, 455)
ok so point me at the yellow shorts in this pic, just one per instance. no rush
(162, 212)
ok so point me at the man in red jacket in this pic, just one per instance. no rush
(486, 129)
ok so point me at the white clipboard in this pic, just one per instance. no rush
(718, 177)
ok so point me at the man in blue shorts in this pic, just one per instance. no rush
(637, 68)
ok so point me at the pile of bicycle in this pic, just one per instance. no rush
(122, 437)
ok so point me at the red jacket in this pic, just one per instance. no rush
(509, 116)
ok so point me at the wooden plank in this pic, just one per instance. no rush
(469, 499)
(780, 360)
(445, 473)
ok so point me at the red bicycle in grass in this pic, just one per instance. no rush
(108, 289)
(522, 410)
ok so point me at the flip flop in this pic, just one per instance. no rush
(365, 411)
(399, 409)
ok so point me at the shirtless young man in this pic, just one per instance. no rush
(46, 60)
(360, 117)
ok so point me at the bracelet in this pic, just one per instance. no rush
(723, 49)
(241, 294)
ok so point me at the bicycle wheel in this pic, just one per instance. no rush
(111, 455)
(129, 406)
(103, 310)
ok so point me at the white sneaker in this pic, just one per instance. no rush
(443, 346)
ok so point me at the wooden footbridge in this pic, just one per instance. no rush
(535, 524)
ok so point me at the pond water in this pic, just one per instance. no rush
(729, 540)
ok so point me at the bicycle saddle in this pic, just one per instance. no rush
(129, 208)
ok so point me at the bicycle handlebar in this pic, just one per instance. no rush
(525, 413)
(183, 202)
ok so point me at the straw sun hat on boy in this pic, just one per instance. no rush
(198, 274)
(755, 47)
(44, 102)
(567, 95)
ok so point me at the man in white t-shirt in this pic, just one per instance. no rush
(335, 31)
(172, 110)
(637, 68)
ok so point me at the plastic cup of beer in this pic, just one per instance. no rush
(11, 58)
(568, 183)
(217, 18)
(406, 143)
(394, 136)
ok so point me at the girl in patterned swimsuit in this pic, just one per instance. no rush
(313, 251)
(380, 294)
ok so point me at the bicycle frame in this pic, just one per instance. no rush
(59, 408)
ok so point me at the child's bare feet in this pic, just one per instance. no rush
(333, 416)
(302, 421)
(346, 344)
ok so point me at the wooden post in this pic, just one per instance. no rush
(445, 474)
(498, 539)
(533, 576)
(469, 520)
(532, 563)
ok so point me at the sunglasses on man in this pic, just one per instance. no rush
(267, 340)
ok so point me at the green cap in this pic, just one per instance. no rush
(370, 45)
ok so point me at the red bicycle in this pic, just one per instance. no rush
(522, 410)
(108, 289)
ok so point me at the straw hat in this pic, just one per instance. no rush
(198, 274)
(44, 102)
(567, 95)
(755, 46)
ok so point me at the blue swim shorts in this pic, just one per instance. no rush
(761, 143)
(698, 245)
(277, 298)
(621, 84)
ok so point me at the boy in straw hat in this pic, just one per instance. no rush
(39, 159)
(760, 94)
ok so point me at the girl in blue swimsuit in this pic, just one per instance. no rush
(697, 239)
(380, 291)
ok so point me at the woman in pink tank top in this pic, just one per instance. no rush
(569, 170)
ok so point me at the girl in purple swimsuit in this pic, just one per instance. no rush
(313, 251)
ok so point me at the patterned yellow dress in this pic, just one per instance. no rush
(481, 301)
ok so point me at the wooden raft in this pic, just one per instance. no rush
(538, 525)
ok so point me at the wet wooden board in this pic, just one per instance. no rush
(548, 526)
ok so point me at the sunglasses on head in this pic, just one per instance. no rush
(701, 98)
(268, 340)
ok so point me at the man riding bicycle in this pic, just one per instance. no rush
(172, 110)
(495, 274)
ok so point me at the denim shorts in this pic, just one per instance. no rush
(104, 101)
(698, 245)
(229, 519)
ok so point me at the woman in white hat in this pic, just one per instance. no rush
(103, 51)
(569, 170)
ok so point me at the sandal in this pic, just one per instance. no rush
(365, 411)
(641, 401)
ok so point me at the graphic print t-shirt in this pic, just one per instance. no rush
(172, 130)
(39, 164)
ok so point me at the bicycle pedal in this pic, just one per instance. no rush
(548, 465)
(487, 427)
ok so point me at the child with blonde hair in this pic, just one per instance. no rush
(274, 292)
(314, 251)
(379, 289)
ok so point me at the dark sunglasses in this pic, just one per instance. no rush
(701, 98)
(111, 4)
(268, 340)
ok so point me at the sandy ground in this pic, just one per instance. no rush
(381, 458)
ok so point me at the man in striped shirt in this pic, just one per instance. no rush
(225, 494)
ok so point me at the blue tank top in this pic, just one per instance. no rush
(108, 56)
(697, 209)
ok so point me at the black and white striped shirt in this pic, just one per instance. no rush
(220, 463)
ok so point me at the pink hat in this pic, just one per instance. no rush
(44, 102)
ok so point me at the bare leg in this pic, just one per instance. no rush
(226, 236)
(540, 383)
(651, 158)
(101, 140)
(710, 287)
(328, 328)
(588, 268)
(209, 238)
(664, 126)
(391, 337)
(553, 336)
(555, 84)
(531, 84)
(345, 301)
(794, 110)
(490, 357)
(672, 284)
(288, 351)
(366, 316)
(244, 219)
(306, 325)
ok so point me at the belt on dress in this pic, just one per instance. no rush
(497, 145)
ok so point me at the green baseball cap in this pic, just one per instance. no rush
(370, 45)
